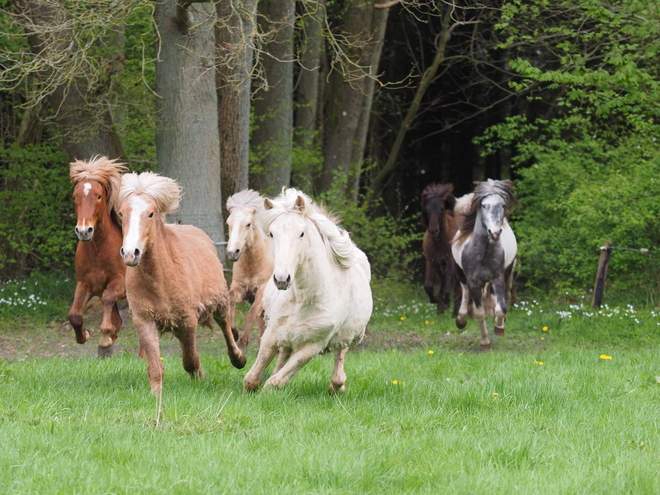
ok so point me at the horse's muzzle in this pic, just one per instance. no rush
(494, 236)
(130, 259)
(282, 284)
(233, 255)
(85, 235)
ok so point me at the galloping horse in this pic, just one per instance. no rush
(249, 247)
(318, 299)
(175, 280)
(99, 268)
(484, 249)
(438, 219)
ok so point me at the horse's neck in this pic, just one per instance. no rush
(158, 256)
(106, 228)
(255, 250)
(314, 267)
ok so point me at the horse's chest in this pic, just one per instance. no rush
(483, 264)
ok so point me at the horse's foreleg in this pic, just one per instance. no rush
(236, 356)
(298, 359)
(252, 317)
(267, 351)
(429, 280)
(149, 342)
(236, 295)
(80, 299)
(338, 375)
(111, 323)
(480, 316)
(283, 355)
(499, 296)
(187, 336)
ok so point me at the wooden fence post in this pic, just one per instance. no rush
(601, 275)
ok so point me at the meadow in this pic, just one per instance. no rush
(566, 402)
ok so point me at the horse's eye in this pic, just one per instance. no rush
(248, 225)
(100, 197)
(270, 234)
(301, 235)
(151, 214)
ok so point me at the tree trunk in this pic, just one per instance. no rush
(86, 130)
(188, 140)
(350, 96)
(273, 105)
(308, 91)
(235, 50)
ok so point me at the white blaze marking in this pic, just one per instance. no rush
(133, 239)
(86, 188)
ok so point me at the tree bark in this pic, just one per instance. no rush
(350, 96)
(235, 51)
(308, 89)
(273, 105)
(187, 139)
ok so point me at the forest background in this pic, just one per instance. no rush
(361, 104)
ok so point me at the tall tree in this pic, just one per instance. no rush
(235, 52)
(188, 140)
(273, 104)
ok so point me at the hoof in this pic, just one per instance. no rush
(82, 337)
(333, 390)
(105, 352)
(440, 309)
(499, 330)
(238, 361)
(484, 347)
(461, 323)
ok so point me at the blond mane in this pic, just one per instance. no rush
(100, 169)
(164, 191)
(247, 198)
(337, 240)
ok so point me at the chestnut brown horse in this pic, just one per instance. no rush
(439, 221)
(99, 268)
(250, 249)
(175, 279)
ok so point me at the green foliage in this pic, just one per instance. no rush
(36, 225)
(587, 170)
(37, 299)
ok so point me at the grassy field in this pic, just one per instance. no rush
(567, 402)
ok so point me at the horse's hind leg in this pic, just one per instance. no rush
(461, 319)
(252, 317)
(236, 356)
(338, 375)
(283, 356)
(499, 296)
(80, 299)
(429, 281)
(111, 323)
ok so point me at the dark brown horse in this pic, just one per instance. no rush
(438, 219)
(99, 268)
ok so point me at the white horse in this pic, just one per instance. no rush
(319, 298)
(484, 250)
(250, 250)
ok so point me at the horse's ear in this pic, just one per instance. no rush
(268, 204)
(300, 204)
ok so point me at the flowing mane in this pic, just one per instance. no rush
(164, 191)
(337, 240)
(102, 170)
(502, 188)
(247, 198)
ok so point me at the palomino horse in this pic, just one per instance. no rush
(485, 252)
(438, 219)
(318, 299)
(99, 269)
(175, 280)
(249, 247)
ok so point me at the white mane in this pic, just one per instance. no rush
(247, 197)
(164, 191)
(337, 241)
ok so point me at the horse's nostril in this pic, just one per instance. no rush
(90, 230)
(288, 279)
(137, 253)
(121, 252)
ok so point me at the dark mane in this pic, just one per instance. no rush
(503, 188)
(440, 192)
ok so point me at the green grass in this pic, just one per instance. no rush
(545, 411)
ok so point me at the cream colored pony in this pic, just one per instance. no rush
(174, 280)
(318, 299)
(249, 247)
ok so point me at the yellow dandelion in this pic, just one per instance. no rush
(395, 382)
(540, 363)
(430, 352)
(162, 359)
(605, 356)
(426, 322)
(403, 318)
(542, 338)
(400, 323)
(545, 329)
(495, 393)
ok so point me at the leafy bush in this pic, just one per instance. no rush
(36, 225)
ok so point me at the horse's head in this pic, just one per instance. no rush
(493, 198)
(288, 233)
(242, 227)
(144, 200)
(437, 200)
(91, 206)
